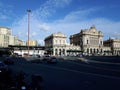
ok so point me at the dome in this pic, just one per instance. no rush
(93, 28)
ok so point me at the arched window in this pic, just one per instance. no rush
(87, 42)
(97, 51)
(56, 51)
(101, 42)
(88, 50)
(91, 50)
(101, 50)
(59, 51)
(94, 50)
(63, 51)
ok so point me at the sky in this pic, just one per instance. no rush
(66, 16)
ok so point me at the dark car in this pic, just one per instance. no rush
(46, 57)
(52, 60)
(9, 60)
(3, 67)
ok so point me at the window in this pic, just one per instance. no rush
(56, 51)
(63, 41)
(60, 41)
(101, 42)
(88, 50)
(56, 41)
(87, 41)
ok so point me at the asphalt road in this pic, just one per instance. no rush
(73, 74)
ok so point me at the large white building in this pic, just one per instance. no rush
(6, 37)
(113, 45)
(56, 44)
(90, 40)
(87, 41)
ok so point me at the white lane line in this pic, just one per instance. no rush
(93, 61)
(80, 72)
(93, 66)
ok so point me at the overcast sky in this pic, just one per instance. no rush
(66, 16)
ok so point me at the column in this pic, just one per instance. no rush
(53, 51)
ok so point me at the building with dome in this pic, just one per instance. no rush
(90, 40)
(87, 41)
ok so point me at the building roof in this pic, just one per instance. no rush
(91, 31)
(4, 27)
(59, 34)
(93, 28)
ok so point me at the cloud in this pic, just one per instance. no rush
(33, 34)
(41, 42)
(3, 17)
(50, 7)
(5, 12)
(38, 28)
(116, 34)
(72, 23)
(106, 26)
(1, 4)
(43, 27)
(78, 15)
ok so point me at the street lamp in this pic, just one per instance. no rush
(28, 11)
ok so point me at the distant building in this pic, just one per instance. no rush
(6, 37)
(56, 44)
(90, 40)
(114, 45)
(21, 43)
(32, 43)
(13, 40)
(5, 31)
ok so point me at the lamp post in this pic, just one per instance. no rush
(28, 11)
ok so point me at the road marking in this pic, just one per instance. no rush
(93, 66)
(76, 71)
(93, 61)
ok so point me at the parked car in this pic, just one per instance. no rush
(9, 60)
(3, 67)
(52, 60)
(46, 57)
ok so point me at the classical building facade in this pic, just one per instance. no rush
(90, 40)
(87, 41)
(56, 44)
(114, 45)
(6, 37)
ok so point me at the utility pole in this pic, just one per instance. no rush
(28, 11)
